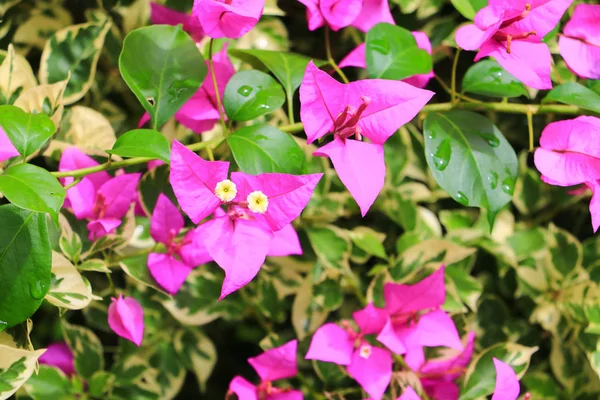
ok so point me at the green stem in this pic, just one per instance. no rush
(453, 97)
(530, 128)
(216, 86)
(293, 128)
(330, 59)
(290, 107)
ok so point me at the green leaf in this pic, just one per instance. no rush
(480, 378)
(468, 8)
(86, 347)
(49, 384)
(33, 188)
(488, 78)
(392, 53)
(331, 245)
(27, 132)
(263, 148)
(470, 159)
(25, 263)
(137, 268)
(68, 289)
(74, 50)
(142, 143)
(163, 68)
(198, 353)
(574, 94)
(369, 241)
(250, 94)
(16, 366)
(288, 68)
(101, 383)
(328, 294)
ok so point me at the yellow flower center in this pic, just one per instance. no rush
(226, 190)
(365, 351)
(258, 202)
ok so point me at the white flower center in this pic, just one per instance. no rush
(226, 190)
(365, 351)
(258, 202)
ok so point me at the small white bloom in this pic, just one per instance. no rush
(258, 202)
(226, 190)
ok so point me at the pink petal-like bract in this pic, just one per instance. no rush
(101, 227)
(160, 14)
(277, 363)
(356, 58)
(409, 394)
(167, 271)
(313, 14)
(441, 390)
(340, 13)
(287, 395)
(72, 158)
(423, 295)
(231, 19)
(7, 150)
(372, 369)
(372, 13)
(451, 366)
(370, 320)
(166, 221)
(126, 319)
(118, 194)
(243, 389)
(391, 104)
(59, 355)
(287, 194)
(239, 247)
(594, 186)
(285, 242)
(360, 166)
(194, 181)
(507, 383)
(82, 199)
(433, 329)
(580, 45)
(331, 343)
(569, 152)
(193, 251)
(390, 339)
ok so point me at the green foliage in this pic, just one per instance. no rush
(142, 143)
(250, 94)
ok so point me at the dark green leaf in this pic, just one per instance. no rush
(470, 158)
(27, 132)
(163, 67)
(137, 268)
(488, 78)
(86, 347)
(25, 263)
(142, 143)
(250, 94)
(574, 94)
(263, 148)
(392, 53)
(49, 384)
(101, 383)
(33, 188)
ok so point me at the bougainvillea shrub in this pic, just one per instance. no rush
(299, 199)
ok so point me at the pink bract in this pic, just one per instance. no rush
(126, 319)
(511, 32)
(160, 14)
(231, 19)
(7, 150)
(59, 355)
(580, 43)
(337, 14)
(507, 384)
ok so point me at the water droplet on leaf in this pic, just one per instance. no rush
(245, 90)
(493, 180)
(462, 198)
(37, 290)
(490, 138)
(441, 157)
(508, 185)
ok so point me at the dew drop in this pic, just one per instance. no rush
(245, 90)
(37, 290)
(490, 139)
(493, 180)
(508, 185)
(462, 198)
(431, 134)
(441, 157)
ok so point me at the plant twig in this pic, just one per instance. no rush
(214, 80)
(330, 59)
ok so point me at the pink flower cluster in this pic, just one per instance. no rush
(337, 14)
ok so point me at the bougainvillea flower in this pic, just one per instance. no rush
(512, 32)
(200, 113)
(416, 320)
(357, 58)
(580, 43)
(160, 14)
(273, 365)
(362, 14)
(59, 355)
(374, 108)
(507, 384)
(257, 207)
(172, 268)
(569, 154)
(370, 366)
(409, 394)
(7, 150)
(228, 18)
(126, 319)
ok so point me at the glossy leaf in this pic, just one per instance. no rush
(27, 132)
(392, 53)
(250, 94)
(163, 68)
(263, 148)
(68, 288)
(142, 143)
(24, 243)
(574, 94)
(16, 366)
(86, 347)
(49, 384)
(33, 188)
(488, 78)
(198, 353)
(468, 8)
(470, 159)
